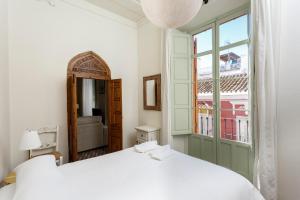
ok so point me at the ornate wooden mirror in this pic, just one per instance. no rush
(152, 92)
(88, 73)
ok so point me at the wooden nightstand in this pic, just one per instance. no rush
(58, 157)
(147, 133)
(9, 179)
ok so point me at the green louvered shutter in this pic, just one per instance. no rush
(181, 83)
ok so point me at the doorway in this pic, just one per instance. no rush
(94, 108)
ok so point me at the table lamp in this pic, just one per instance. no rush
(30, 140)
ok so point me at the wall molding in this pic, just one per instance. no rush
(95, 10)
(50, 2)
(143, 21)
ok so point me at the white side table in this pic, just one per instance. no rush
(147, 133)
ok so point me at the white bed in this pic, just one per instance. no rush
(7, 193)
(129, 175)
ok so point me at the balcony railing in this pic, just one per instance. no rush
(235, 129)
(206, 123)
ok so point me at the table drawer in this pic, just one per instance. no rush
(142, 135)
(140, 141)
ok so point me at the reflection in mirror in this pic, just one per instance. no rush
(92, 120)
(91, 98)
(150, 87)
(88, 97)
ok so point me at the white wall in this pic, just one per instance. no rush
(150, 62)
(42, 40)
(289, 103)
(4, 94)
(149, 51)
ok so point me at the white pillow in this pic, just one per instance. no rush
(37, 168)
(146, 146)
(7, 192)
(39, 178)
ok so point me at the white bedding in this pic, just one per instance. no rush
(128, 175)
(7, 192)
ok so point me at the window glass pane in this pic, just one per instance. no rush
(234, 60)
(234, 31)
(204, 66)
(205, 120)
(204, 41)
(234, 96)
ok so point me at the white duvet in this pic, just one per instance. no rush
(128, 175)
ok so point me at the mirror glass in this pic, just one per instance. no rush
(91, 98)
(92, 117)
(150, 87)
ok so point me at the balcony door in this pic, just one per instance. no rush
(222, 94)
(203, 143)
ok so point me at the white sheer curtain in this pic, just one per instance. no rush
(166, 64)
(265, 16)
(88, 103)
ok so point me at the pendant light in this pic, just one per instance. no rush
(171, 13)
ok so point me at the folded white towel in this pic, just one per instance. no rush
(161, 153)
(145, 147)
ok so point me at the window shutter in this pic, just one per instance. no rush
(181, 83)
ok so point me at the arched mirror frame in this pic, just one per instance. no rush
(85, 65)
(89, 65)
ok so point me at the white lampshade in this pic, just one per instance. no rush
(171, 13)
(30, 140)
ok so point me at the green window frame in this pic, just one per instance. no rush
(231, 153)
(214, 25)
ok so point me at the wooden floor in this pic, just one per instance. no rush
(92, 153)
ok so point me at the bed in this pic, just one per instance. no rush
(129, 175)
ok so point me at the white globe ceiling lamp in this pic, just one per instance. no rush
(171, 13)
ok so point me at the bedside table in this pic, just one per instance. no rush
(147, 133)
(9, 179)
(58, 157)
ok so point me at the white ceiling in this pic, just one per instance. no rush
(211, 10)
(132, 10)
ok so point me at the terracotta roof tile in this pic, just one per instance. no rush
(228, 83)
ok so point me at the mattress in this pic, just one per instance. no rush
(129, 175)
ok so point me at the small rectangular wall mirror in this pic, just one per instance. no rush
(152, 92)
